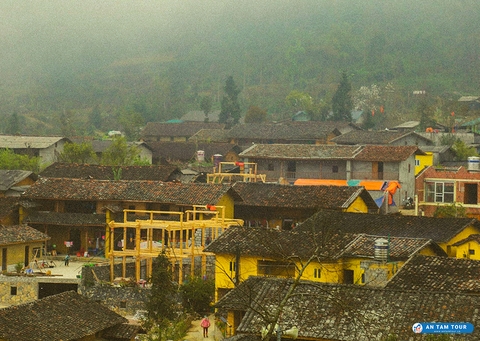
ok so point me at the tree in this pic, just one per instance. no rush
(299, 101)
(10, 160)
(450, 211)
(119, 153)
(230, 108)
(78, 153)
(426, 115)
(206, 106)
(197, 294)
(255, 115)
(342, 103)
(462, 152)
(162, 302)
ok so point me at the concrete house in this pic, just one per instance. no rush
(442, 186)
(45, 147)
(291, 162)
(14, 182)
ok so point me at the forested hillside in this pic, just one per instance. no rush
(80, 67)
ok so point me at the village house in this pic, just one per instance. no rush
(14, 182)
(332, 312)
(445, 232)
(9, 210)
(175, 131)
(291, 162)
(332, 257)
(74, 212)
(210, 136)
(45, 147)
(191, 152)
(271, 205)
(65, 316)
(442, 186)
(314, 132)
(20, 244)
(438, 274)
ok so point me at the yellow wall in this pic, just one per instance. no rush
(463, 251)
(227, 202)
(452, 250)
(423, 161)
(358, 206)
(16, 253)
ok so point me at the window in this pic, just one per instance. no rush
(471, 252)
(363, 278)
(233, 266)
(417, 162)
(291, 166)
(471, 194)
(271, 167)
(436, 191)
(123, 304)
(13, 291)
(317, 273)
(275, 268)
(335, 169)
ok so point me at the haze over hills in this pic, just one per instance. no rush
(154, 60)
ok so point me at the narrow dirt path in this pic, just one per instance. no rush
(195, 332)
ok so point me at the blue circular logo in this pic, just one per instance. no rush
(417, 328)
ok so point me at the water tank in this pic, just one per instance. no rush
(474, 163)
(200, 155)
(381, 249)
(217, 158)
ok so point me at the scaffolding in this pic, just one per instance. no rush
(183, 237)
(247, 173)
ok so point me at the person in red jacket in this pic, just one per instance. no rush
(205, 324)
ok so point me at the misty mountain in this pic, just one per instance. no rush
(158, 58)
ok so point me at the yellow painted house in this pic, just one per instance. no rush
(326, 257)
(468, 248)
(423, 161)
(19, 245)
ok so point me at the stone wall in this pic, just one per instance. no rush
(123, 300)
(25, 289)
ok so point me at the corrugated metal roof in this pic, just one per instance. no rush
(38, 142)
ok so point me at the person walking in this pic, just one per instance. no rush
(205, 324)
(67, 259)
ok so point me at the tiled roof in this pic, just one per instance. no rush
(122, 190)
(381, 137)
(386, 153)
(209, 135)
(8, 205)
(24, 142)
(347, 312)
(65, 316)
(265, 242)
(184, 129)
(187, 151)
(398, 247)
(323, 152)
(66, 219)
(290, 130)
(439, 230)
(301, 151)
(87, 171)
(124, 331)
(429, 273)
(20, 234)
(302, 197)
(99, 146)
(9, 178)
